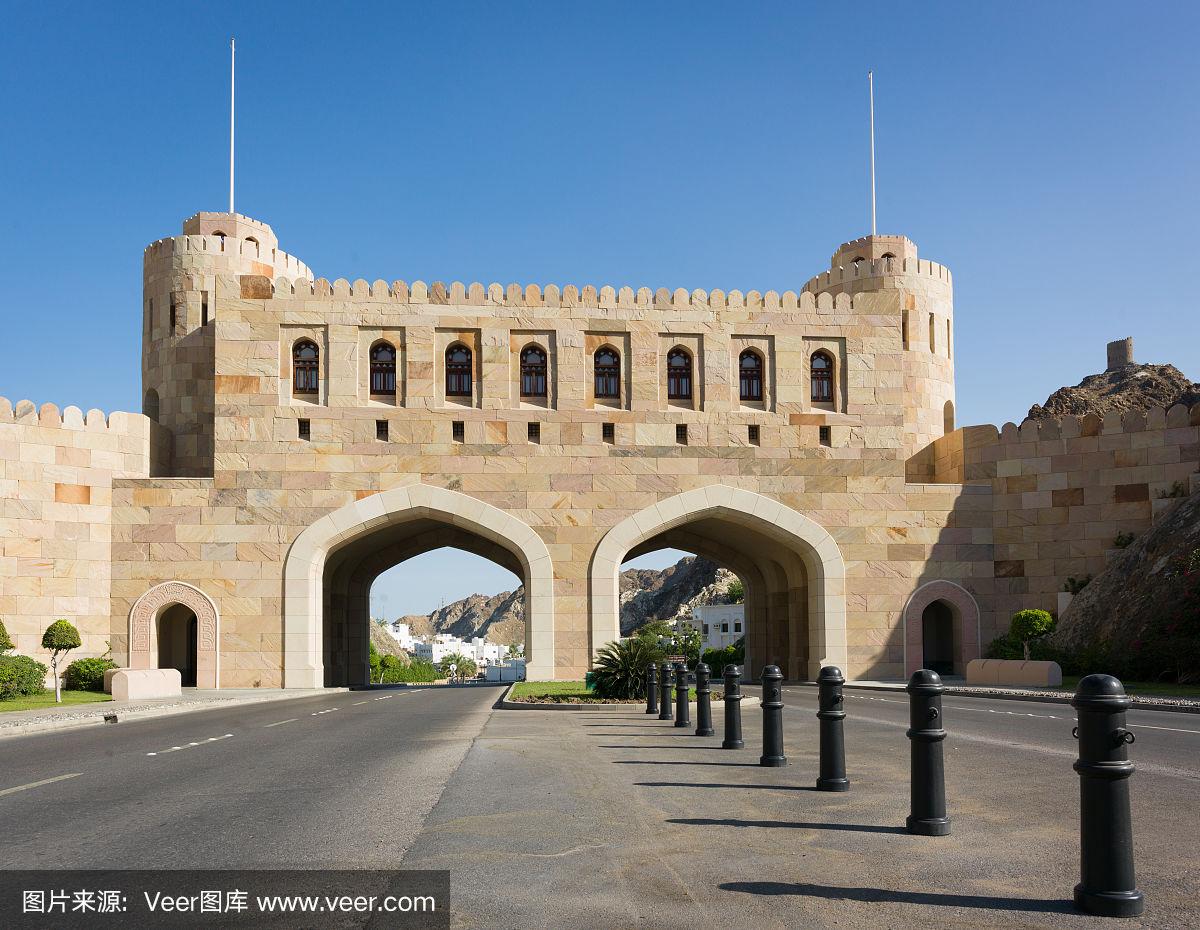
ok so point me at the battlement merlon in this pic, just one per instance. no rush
(880, 263)
(235, 225)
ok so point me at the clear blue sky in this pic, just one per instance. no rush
(1046, 152)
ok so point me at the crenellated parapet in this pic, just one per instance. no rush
(226, 247)
(552, 296)
(844, 275)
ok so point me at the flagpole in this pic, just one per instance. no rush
(232, 54)
(871, 92)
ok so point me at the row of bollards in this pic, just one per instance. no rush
(1106, 888)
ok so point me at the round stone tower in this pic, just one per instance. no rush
(883, 275)
(180, 318)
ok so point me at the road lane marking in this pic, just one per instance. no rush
(357, 703)
(1146, 726)
(211, 739)
(38, 784)
(279, 723)
(327, 710)
(385, 697)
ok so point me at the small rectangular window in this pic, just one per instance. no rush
(204, 308)
(459, 430)
(706, 629)
(609, 432)
(724, 627)
(303, 429)
(737, 628)
(681, 434)
(381, 430)
(826, 435)
(174, 313)
(535, 432)
(752, 435)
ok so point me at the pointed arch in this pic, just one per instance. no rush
(142, 632)
(306, 559)
(966, 619)
(763, 516)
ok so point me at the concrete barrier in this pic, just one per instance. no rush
(140, 684)
(108, 677)
(1014, 672)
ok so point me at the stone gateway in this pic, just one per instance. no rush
(300, 437)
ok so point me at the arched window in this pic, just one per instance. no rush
(150, 405)
(458, 371)
(306, 358)
(533, 371)
(679, 374)
(947, 339)
(383, 368)
(932, 333)
(948, 417)
(821, 370)
(608, 373)
(750, 376)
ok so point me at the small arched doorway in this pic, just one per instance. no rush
(178, 642)
(938, 647)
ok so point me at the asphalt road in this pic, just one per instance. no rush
(606, 817)
(343, 779)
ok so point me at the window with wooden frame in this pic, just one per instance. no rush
(607, 369)
(383, 368)
(458, 371)
(533, 371)
(821, 373)
(679, 374)
(306, 364)
(750, 376)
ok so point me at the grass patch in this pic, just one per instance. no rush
(572, 692)
(46, 699)
(1135, 688)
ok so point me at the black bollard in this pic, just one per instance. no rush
(928, 774)
(733, 708)
(831, 713)
(683, 713)
(664, 692)
(704, 725)
(1106, 885)
(651, 689)
(772, 705)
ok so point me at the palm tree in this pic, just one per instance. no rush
(620, 668)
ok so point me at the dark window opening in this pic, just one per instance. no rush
(535, 432)
(306, 357)
(383, 368)
(609, 432)
(204, 308)
(303, 429)
(459, 430)
(724, 627)
(175, 314)
(706, 629)
(533, 372)
(825, 434)
(381, 430)
(681, 433)
(458, 371)
(608, 374)
(679, 375)
(752, 435)
(750, 380)
(737, 628)
(821, 370)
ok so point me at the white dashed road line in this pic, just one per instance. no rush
(357, 703)
(1146, 726)
(38, 784)
(385, 697)
(279, 723)
(327, 710)
(211, 739)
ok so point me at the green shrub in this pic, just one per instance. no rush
(1074, 585)
(88, 674)
(375, 658)
(620, 668)
(1004, 647)
(1028, 625)
(464, 667)
(733, 654)
(735, 591)
(21, 675)
(6, 642)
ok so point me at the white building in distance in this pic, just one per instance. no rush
(720, 625)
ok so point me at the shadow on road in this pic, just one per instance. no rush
(710, 784)
(881, 895)
(789, 824)
(718, 748)
(753, 765)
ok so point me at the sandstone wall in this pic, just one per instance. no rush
(56, 478)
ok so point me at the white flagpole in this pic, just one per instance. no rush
(232, 54)
(871, 92)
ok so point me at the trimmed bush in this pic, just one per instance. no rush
(21, 675)
(1028, 625)
(88, 674)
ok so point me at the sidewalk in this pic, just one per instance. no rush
(49, 719)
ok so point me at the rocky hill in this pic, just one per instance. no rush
(646, 595)
(1132, 387)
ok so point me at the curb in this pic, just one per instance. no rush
(1026, 696)
(505, 704)
(132, 714)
